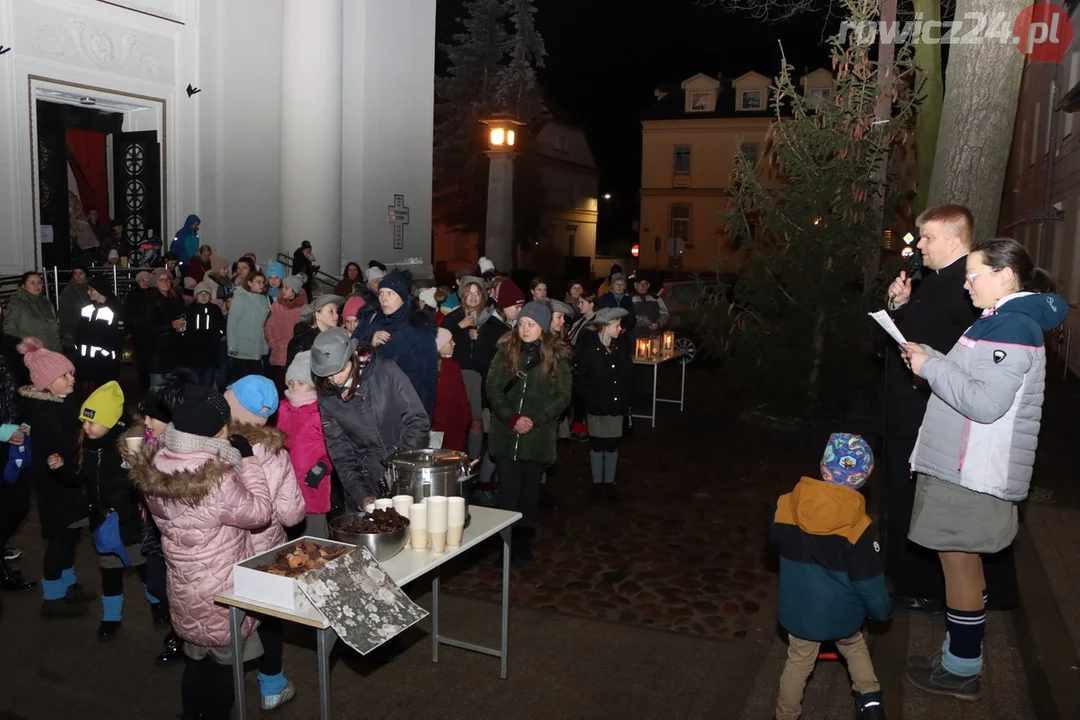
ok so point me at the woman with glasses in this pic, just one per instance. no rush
(976, 447)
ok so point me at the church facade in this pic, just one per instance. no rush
(274, 121)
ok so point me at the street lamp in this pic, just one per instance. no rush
(607, 196)
(502, 133)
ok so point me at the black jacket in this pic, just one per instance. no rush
(54, 428)
(472, 354)
(626, 302)
(99, 342)
(158, 346)
(108, 486)
(604, 373)
(383, 416)
(937, 314)
(304, 334)
(202, 339)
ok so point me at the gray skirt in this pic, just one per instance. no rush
(951, 518)
(605, 426)
(474, 389)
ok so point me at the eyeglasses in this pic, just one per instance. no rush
(971, 276)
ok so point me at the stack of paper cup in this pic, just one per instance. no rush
(370, 507)
(437, 519)
(455, 521)
(418, 526)
(384, 504)
(402, 503)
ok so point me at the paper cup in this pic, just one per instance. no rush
(384, 504)
(455, 511)
(437, 513)
(453, 535)
(370, 507)
(437, 541)
(418, 538)
(402, 503)
(134, 444)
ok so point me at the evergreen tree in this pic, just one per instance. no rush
(464, 97)
(798, 325)
(518, 91)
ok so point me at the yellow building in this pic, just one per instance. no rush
(689, 139)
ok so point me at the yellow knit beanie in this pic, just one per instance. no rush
(105, 405)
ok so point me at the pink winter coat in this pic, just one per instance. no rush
(288, 504)
(307, 448)
(284, 314)
(206, 511)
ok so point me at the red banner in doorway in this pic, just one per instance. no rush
(86, 156)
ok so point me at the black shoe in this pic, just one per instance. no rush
(908, 603)
(548, 501)
(107, 630)
(611, 494)
(78, 595)
(868, 706)
(160, 612)
(596, 491)
(12, 580)
(172, 653)
(55, 609)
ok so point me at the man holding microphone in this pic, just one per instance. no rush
(936, 313)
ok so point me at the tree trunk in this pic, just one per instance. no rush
(819, 357)
(929, 79)
(882, 111)
(982, 84)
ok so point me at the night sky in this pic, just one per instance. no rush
(605, 57)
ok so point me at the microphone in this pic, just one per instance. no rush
(915, 264)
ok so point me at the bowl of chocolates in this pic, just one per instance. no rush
(383, 532)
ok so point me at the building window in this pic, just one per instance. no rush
(682, 158)
(750, 152)
(751, 99)
(680, 222)
(700, 101)
(819, 94)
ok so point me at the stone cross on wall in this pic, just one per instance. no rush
(398, 216)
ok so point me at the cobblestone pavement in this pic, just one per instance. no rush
(684, 549)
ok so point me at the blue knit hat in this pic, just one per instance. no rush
(397, 281)
(256, 399)
(848, 460)
(276, 268)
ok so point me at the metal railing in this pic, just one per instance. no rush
(322, 279)
(122, 279)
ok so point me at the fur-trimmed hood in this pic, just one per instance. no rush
(32, 393)
(270, 438)
(188, 478)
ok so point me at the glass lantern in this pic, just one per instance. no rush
(669, 342)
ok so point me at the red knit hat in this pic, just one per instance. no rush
(510, 294)
(45, 365)
(352, 306)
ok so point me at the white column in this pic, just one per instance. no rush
(499, 237)
(311, 129)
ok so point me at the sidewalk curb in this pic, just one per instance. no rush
(1045, 646)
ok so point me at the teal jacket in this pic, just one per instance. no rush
(247, 318)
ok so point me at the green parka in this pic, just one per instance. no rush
(541, 399)
(29, 315)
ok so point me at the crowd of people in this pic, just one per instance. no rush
(963, 403)
(261, 405)
(258, 406)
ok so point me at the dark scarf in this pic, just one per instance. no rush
(530, 355)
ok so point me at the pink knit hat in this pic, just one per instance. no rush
(45, 365)
(352, 306)
(442, 337)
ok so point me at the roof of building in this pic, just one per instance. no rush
(672, 106)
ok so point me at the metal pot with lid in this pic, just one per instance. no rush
(431, 471)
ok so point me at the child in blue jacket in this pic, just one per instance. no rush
(831, 575)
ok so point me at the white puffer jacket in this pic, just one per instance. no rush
(981, 426)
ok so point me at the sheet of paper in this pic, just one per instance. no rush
(882, 318)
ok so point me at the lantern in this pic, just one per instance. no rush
(657, 343)
(502, 133)
(642, 348)
(669, 342)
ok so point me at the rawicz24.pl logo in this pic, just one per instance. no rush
(1041, 32)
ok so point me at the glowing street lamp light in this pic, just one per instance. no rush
(607, 196)
(499, 245)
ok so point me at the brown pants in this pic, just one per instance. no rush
(802, 654)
